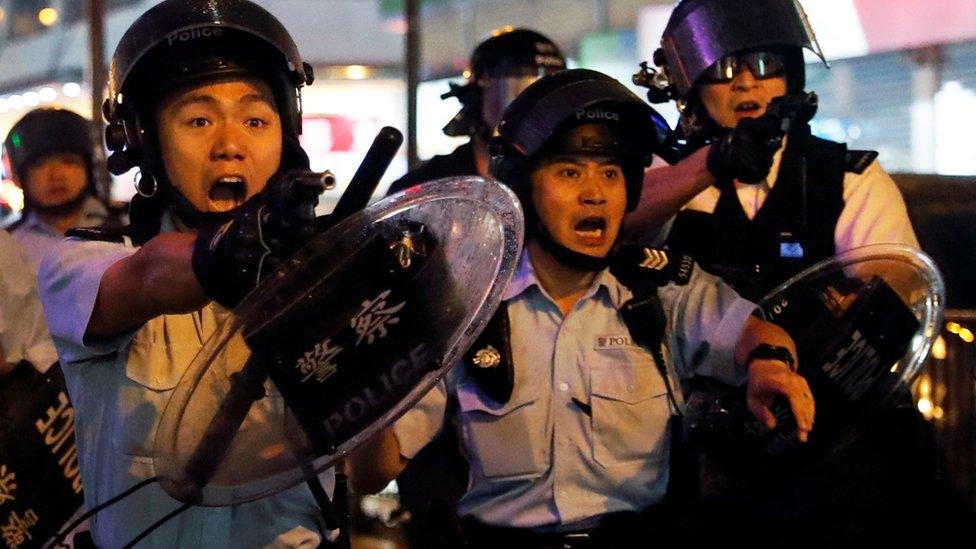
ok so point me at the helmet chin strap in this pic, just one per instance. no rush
(190, 215)
(565, 256)
(63, 209)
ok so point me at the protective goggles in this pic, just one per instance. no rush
(762, 64)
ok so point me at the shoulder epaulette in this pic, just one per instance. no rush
(638, 266)
(858, 161)
(119, 235)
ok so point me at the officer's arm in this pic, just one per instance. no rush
(4, 367)
(665, 191)
(375, 463)
(771, 378)
(158, 279)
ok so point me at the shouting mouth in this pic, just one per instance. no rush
(748, 109)
(227, 193)
(591, 228)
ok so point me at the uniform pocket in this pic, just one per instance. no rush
(508, 440)
(630, 412)
(152, 371)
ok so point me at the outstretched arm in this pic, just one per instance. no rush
(664, 192)
(157, 279)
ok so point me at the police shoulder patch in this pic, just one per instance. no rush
(636, 265)
(858, 161)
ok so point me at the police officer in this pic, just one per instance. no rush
(563, 406)
(500, 68)
(205, 101)
(756, 200)
(761, 206)
(50, 157)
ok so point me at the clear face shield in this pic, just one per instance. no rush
(498, 92)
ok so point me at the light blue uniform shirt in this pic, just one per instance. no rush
(119, 389)
(23, 331)
(37, 238)
(539, 461)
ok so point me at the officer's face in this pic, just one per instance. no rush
(581, 200)
(220, 142)
(56, 179)
(744, 97)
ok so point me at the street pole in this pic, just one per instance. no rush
(412, 8)
(97, 77)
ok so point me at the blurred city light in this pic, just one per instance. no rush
(47, 16)
(925, 407)
(71, 89)
(939, 349)
(47, 94)
(356, 72)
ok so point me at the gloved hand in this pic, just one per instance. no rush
(746, 153)
(229, 260)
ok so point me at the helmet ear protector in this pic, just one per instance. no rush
(123, 138)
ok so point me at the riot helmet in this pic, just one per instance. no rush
(710, 39)
(500, 68)
(181, 43)
(577, 111)
(41, 133)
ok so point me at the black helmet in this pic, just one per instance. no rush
(537, 122)
(46, 131)
(701, 32)
(181, 42)
(514, 56)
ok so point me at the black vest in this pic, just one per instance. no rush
(794, 228)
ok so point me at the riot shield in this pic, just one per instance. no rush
(40, 482)
(342, 339)
(863, 322)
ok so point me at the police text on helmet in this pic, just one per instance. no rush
(597, 114)
(193, 34)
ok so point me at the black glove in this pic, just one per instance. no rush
(230, 259)
(746, 153)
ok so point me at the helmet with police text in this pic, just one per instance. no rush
(47, 131)
(500, 68)
(700, 33)
(181, 43)
(578, 111)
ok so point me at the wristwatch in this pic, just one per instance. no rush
(765, 351)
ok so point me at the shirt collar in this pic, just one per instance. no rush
(93, 213)
(525, 278)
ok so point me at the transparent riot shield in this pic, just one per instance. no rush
(863, 322)
(337, 343)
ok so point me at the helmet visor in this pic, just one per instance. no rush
(497, 93)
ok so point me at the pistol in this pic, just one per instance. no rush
(797, 108)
